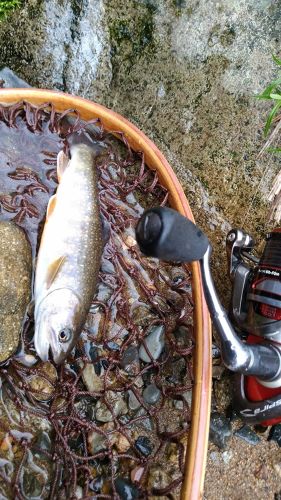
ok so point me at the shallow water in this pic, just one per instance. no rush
(112, 420)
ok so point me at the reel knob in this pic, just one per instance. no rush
(164, 233)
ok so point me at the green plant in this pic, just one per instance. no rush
(6, 6)
(273, 93)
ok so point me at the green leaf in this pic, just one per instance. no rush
(270, 117)
(276, 60)
(276, 97)
(266, 93)
(274, 150)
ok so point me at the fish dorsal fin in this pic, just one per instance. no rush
(62, 163)
(53, 270)
(51, 206)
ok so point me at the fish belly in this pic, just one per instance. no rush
(72, 235)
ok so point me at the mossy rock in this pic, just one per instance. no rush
(7, 6)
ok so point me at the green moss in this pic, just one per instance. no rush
(7, 6)
(136, 33)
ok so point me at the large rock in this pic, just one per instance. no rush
(184, 72)
(60, 44)
(15, 285)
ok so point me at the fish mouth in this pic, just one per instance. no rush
(47, 345)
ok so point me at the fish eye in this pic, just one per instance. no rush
(65, 335)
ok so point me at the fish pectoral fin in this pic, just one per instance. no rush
(53, 270)
(51, 206)
(62, 164)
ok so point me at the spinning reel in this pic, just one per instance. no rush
(250, 334)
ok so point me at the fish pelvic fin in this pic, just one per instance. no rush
(53, 270)
(62, 164)
(51, 206)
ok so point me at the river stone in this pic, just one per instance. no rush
(70, 45)
(43, 443)
(96, 484)
(97, 442)
(220, 429)
(151, 394)
(42, 385)
(126, 490)
(15, 285)
(121, 443)
(158, 478)
(133, 401)
(275, 434)
(146, 423)
(136, 474)
(143, 445)
(93, 382)
(11, 80)
(154, 343)
(178, 404)
(187, 396)
(119, 407)
(248, 435)
(129, 356)
(32, 484)
(103, 414)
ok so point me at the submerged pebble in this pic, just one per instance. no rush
(136, 474)
(143, 445)
(11, 79)
(97, 442)
(154, 343)
(133, 401)
(145, 423)
(92, 381)
(183, 335)
(151, 394)
(26, 360)
(43, 443)
(122, 444)
(15, 285)
(157, 478)
(103, 414)
(178, 404)
(96, 484)
(116, 401)
(32, 484)
(129, 356)
(125, 489)
(42, 385)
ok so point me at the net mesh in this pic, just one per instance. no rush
(111, 422)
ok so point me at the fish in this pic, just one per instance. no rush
(69, 255)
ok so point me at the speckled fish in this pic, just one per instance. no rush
(69, 256)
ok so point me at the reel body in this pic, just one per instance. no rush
(256, 311)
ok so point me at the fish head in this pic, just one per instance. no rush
(58, 324)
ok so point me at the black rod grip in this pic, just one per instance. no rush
(164, 233)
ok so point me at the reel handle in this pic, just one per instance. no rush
(164, 233)
(167, 235)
